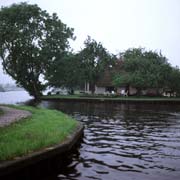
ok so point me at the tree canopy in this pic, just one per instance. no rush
(66, 72)
(34, 47)
(144, 69)
(75, 69)
(30, 41)
(94, 59)
(173, 81)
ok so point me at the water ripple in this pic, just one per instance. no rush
(124, 141)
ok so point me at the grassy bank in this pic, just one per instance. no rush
(44, 128)
(114, 98)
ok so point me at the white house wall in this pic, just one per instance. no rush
(132, 90)
(120, 89)
(100, 90)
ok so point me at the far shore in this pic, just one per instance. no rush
(96, 98)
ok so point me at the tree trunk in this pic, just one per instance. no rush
(36, 94)
(71, 91)
(127, 90)
(92, 87)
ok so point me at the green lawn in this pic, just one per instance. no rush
(61, 96)
(101, 97)
(44, 128)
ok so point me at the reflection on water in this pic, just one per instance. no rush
(123, 141)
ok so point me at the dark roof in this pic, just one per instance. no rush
(107, 77)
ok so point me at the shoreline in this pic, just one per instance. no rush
(64, 144)
(12, 166)
(150, 100)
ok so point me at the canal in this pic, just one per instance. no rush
(123, 141)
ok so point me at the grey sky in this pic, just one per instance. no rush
(120, 24)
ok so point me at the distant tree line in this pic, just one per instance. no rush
(35, 52)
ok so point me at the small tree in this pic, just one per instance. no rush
(30, 41)
(94, 59)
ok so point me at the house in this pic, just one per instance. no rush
(104, 84)
(169, 93)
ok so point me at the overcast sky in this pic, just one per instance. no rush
(119, 24)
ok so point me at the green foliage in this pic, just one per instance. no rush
(45, 128)
(173, 82)
(30, 40)
(94, 59)
(73, 70)
(144, 69)
(66, 72)
(121, 79)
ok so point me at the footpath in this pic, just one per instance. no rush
(11, 115)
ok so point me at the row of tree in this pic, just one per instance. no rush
(35, 51)
(147, 69)
(74, 69)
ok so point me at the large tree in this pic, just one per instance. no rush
(66, 72)
(94, 59)
(143, 69)
(30, 41)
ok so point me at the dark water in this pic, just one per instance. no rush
(123, 142)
